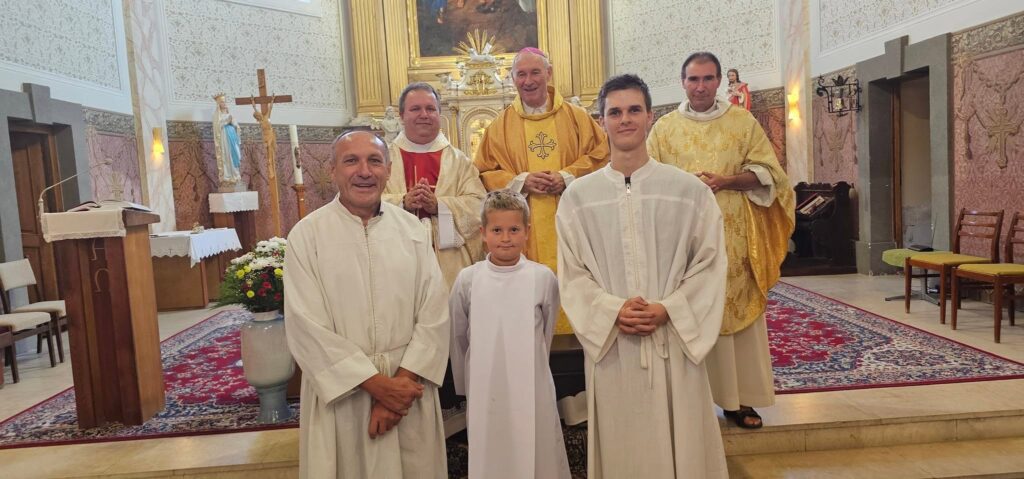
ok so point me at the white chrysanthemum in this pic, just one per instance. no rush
(245, 258)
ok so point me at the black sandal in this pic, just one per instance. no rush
(740, 417)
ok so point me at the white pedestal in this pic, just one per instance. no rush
(234, 202)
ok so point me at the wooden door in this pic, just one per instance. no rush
(34, 169)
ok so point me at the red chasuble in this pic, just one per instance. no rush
(421, 165)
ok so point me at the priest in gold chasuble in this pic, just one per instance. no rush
(537, 146)
(726, 147)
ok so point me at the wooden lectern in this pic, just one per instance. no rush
(115, 341)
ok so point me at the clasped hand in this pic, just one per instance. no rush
(421, 197)
(715, 181)
(392, 398)
(640, 318)
(544, 183)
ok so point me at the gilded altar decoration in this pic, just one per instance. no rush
(419, 38)
(481, 68)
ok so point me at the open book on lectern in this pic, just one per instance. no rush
(110, 204)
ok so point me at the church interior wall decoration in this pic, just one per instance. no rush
(113, 156)
(834, 140)
(400, 54)
(993, 53)
(988, 127)
(194, 171)
(988, 117)
(769, 108)
(440, 24)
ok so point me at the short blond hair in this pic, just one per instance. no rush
(504, 200)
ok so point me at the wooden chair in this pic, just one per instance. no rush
(974, 224)
(21, 326)
(1003, 277)
(19, 274)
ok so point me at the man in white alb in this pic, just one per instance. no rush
(367, 317)
(641, 271)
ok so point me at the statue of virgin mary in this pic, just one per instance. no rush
(227, 145)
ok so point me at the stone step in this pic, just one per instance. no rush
(989, 458)
(867, 433)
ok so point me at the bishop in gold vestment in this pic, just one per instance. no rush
(540, 132)
(727, 140)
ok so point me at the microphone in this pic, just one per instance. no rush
(41, 205)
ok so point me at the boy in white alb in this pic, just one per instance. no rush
(503, 313)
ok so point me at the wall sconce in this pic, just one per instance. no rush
(158, 140)
(843, 94)
(793, 99)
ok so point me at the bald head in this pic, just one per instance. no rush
(349, 138)
(360, 169)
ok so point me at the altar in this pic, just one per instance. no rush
(186, 266)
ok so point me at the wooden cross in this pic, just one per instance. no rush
(263, 100)
(269, 138)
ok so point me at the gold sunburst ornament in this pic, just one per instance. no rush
(477, 42)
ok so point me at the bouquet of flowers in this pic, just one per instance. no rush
(256, 279)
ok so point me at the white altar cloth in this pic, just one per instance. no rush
(196, 246)
(233, 202)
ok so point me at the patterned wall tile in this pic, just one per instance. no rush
(71, 38)
(990, 37)
(652, 37)
(769, 98)
(217, 46)
(841, 22)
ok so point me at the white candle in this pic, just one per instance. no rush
(293, 134)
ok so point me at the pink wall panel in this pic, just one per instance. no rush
(835, 144)
(988, 100)
(773, 120)
(119, 180)
(194, 174)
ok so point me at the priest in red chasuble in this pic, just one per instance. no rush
(537, 146)
(435, 181)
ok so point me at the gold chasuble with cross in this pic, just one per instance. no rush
(563, 140)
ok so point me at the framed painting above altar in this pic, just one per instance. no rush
(441, 24)
(419, 39)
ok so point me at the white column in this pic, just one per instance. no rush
(144, 29)
(794, 22)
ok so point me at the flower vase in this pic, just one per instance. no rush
(268, 364)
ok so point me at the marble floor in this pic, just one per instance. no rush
(274, 453)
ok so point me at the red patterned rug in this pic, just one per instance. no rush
(820, 344)
(205, 387)
(817, 344)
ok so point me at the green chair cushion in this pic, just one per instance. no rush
(896, 257)
(996, 269)
(948, 259)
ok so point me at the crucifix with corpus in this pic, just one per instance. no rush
(262, 115)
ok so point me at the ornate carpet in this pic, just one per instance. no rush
(820, 344)
(817, 344)
(206, 393)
